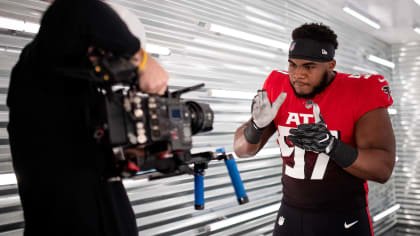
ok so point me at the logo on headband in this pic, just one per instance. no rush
(292, 46)
(324, 52)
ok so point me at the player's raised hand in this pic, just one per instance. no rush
(263, 111)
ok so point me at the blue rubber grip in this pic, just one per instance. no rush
(236, 178)
(199, 190)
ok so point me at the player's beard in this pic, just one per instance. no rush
(317, 89)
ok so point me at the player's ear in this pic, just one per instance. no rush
(331, 65)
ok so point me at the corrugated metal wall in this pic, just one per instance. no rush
(407, 177)
(165, 207)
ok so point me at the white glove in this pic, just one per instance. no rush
(263, 111)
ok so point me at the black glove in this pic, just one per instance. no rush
(313, 137)
(316, 137)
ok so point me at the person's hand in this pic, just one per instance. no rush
(313, 137)
(153, 79)
(263, 111)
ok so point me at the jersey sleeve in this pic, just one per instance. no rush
(274, 84)
(373, 92)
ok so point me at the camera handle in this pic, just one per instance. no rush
(236, 179)
(198, 188)
(233, 173)
(178, 93)
(200, 162)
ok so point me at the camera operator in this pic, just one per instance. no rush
(63, 174)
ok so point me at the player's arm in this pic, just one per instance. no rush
(243, 148)
(375, 142)
(253, 135)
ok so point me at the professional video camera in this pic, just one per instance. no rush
(150, 132)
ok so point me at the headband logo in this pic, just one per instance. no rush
(324, 52)
(292, 46)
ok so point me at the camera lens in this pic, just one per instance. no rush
(201, 117)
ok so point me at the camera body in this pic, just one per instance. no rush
(156, 123)
(161, 127)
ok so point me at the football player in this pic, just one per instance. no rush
(334, 134)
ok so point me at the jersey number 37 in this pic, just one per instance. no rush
(298, 170)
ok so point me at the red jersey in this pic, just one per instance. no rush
(311, 180)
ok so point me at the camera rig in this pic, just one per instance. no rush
(153, 134)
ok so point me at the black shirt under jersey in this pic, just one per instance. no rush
(59, 167)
